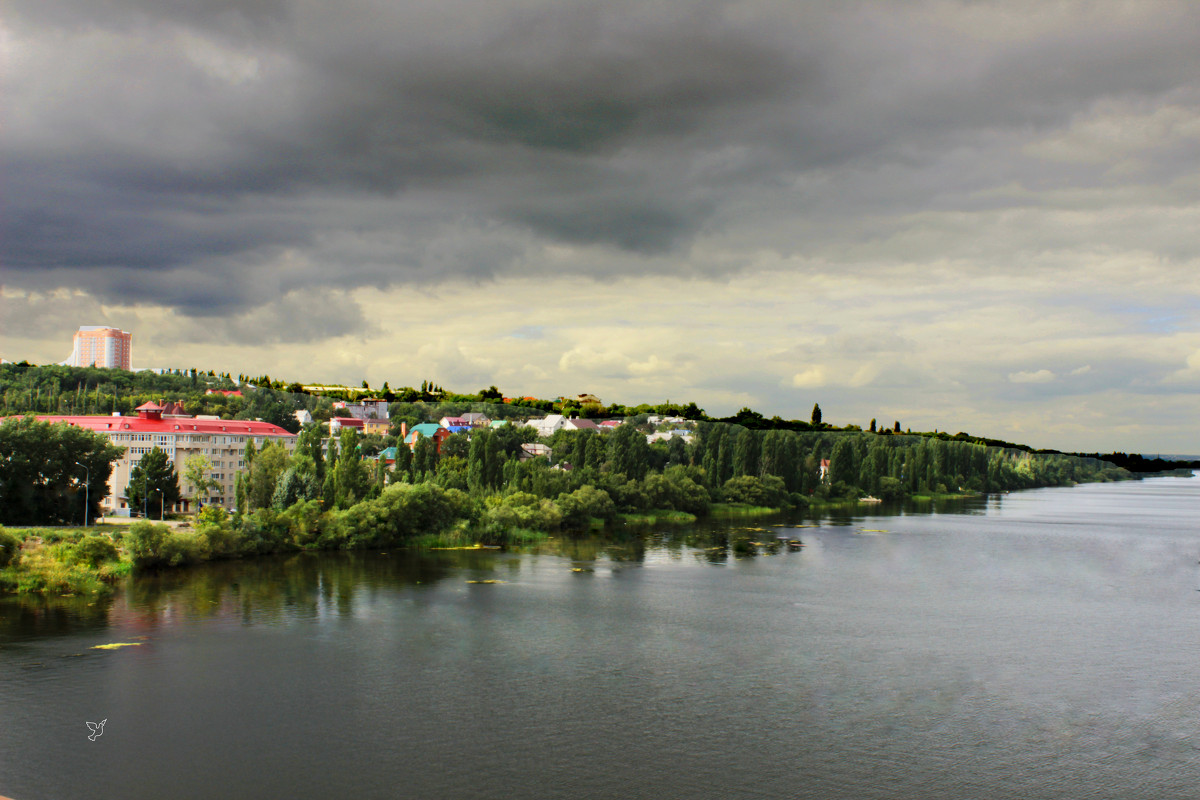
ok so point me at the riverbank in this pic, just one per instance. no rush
(93, 561)
(63, 561)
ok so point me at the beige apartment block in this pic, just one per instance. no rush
(95, 345)
(222, 441)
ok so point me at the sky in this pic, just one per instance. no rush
(970, 216)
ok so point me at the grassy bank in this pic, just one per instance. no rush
(739, 511)
(657, 516)
(62, 561)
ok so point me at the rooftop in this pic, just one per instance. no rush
(174, 425)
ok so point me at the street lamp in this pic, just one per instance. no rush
(87, 491)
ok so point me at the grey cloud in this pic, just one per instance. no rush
(300, 317)
(365, 136)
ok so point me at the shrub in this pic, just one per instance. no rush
(768, 491)
(94, 551)
(520, 511)
(306, 522)
(265, 530)
(10, 545)
(890, 488)
(584, 504)
(214, 515)
(220, 541)
(146, 540)
(181, 548)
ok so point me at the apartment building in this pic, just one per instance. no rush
(222, 441)
(102, 347)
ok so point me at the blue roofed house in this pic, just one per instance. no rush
(429, 430)
(388, 456)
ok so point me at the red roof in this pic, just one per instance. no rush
(175, 425)
(150, 406)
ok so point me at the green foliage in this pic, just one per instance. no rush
(628, 452)
(153, 484)
(265, 469)
(94, 551)
(212, 515)
(182, 548)
(145, 541)
(586, 503)
(890, 489)
(351, 481)
(452, 473)
(456, 445)
(41, 480)
(294, 487)
(505, 516)
(10, 546)
(767, 491)
(404, 511)
(67, 564)
(196, 474)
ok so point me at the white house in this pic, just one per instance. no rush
(548, 425)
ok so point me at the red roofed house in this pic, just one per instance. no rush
(225, 392)
(222, 441)
(337, 423)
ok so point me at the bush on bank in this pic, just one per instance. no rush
(59, 561)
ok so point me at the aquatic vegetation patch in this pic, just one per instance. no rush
(116, 645)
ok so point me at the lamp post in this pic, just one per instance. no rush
(87, 493)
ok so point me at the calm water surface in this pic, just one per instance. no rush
(1036, 645)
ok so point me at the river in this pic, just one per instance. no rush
(1043, 644)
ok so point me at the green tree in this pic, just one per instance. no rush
(249, 453)
(628, 452)
(843, 463)
(48, 471)
(294, 486)
(477, 465)
(494, 460)
(351, 481)
(269, 464)
(197, 472)
(153, 484)
(309, 454)
(816, 415)
(402, 468)
(241, 493)
(455, 445)
(746, 454)
(424, 458)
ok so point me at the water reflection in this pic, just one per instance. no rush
(275, 589)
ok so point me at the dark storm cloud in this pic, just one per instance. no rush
(178, 152)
